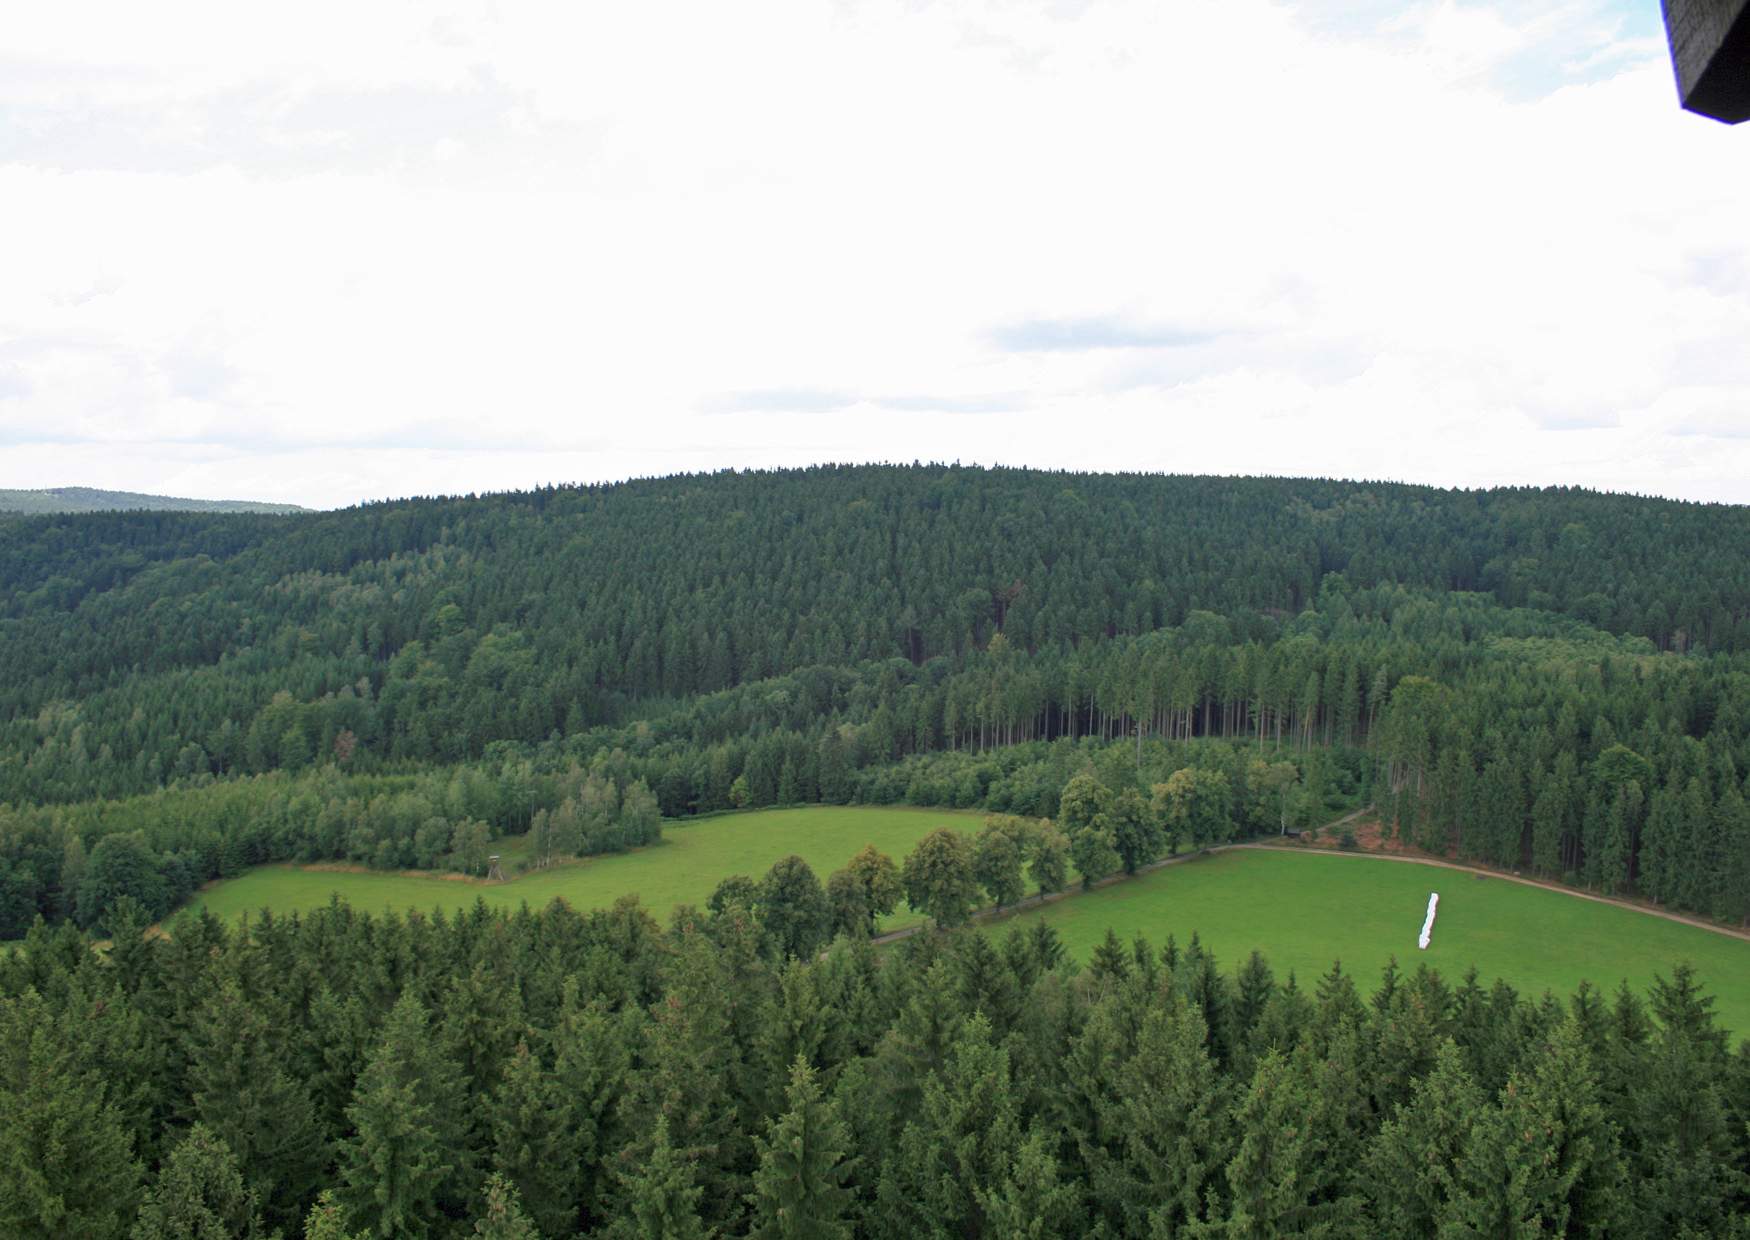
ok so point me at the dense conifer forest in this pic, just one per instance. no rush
(1555, 682)
(1552, 680)
(554, 1073)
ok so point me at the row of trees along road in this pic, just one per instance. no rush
(949, 874)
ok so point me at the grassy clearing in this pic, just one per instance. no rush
(1303, 912)
(684, 869)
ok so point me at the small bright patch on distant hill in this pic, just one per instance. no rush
(684, 869)
(90, 499)
(1303, 912)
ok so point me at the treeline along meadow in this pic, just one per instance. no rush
(1111, 667)
(78, 861)
(558, 1073)
(376, 685)
(1501, 735)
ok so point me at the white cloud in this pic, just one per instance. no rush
(338, 253)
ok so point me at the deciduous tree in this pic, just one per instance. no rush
(938, 877)
(793, 908)
(996, 864)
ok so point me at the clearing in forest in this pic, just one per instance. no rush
(1304, 911)
(685, 868)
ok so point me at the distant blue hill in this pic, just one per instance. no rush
(89, 499)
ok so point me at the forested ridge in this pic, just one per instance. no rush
(689, 584)
(1113, 667)
(1547, 679)
(515, 616)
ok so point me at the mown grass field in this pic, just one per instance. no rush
(1301, 910)
(684, 869)
(1304, 911)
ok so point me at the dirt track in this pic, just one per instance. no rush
(987, 914)
(1631, 905)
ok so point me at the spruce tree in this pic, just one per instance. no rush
(965, 1135)
(1545, 1157)
(1619, 829)
(835, 773)
(1032, 1200)
(535, 1143)
(241, 1091)
(1732, 832)
(1253, 986)
(1549, 810)
(503, 1218)
(800, 1022)
(658, 1198)
(592, 1054)
(199, 1195)
(799, 1191)
(1683, 1152)
(1172, 1114)
(1274, 1172)
(67, 1167)
(1658, 856)
(1409, 1166)
(691, 1071)
(407, 1138)
(1109, 963)
(916, 1043)
(327, 1221)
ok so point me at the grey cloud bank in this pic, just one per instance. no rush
(804, 400)
(1078, 335)
(467, 249)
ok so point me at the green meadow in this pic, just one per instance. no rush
(1305, 911)
(1302, 911)
(684, 869)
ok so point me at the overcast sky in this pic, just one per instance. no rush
(327, 252)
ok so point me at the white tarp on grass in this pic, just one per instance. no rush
(1428, 923)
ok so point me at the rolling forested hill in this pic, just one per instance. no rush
(689, 585)
(1555, 681)
(90, 499)
(1552, 678)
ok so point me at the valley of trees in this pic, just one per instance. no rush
(243, 689)
(1550, 681)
